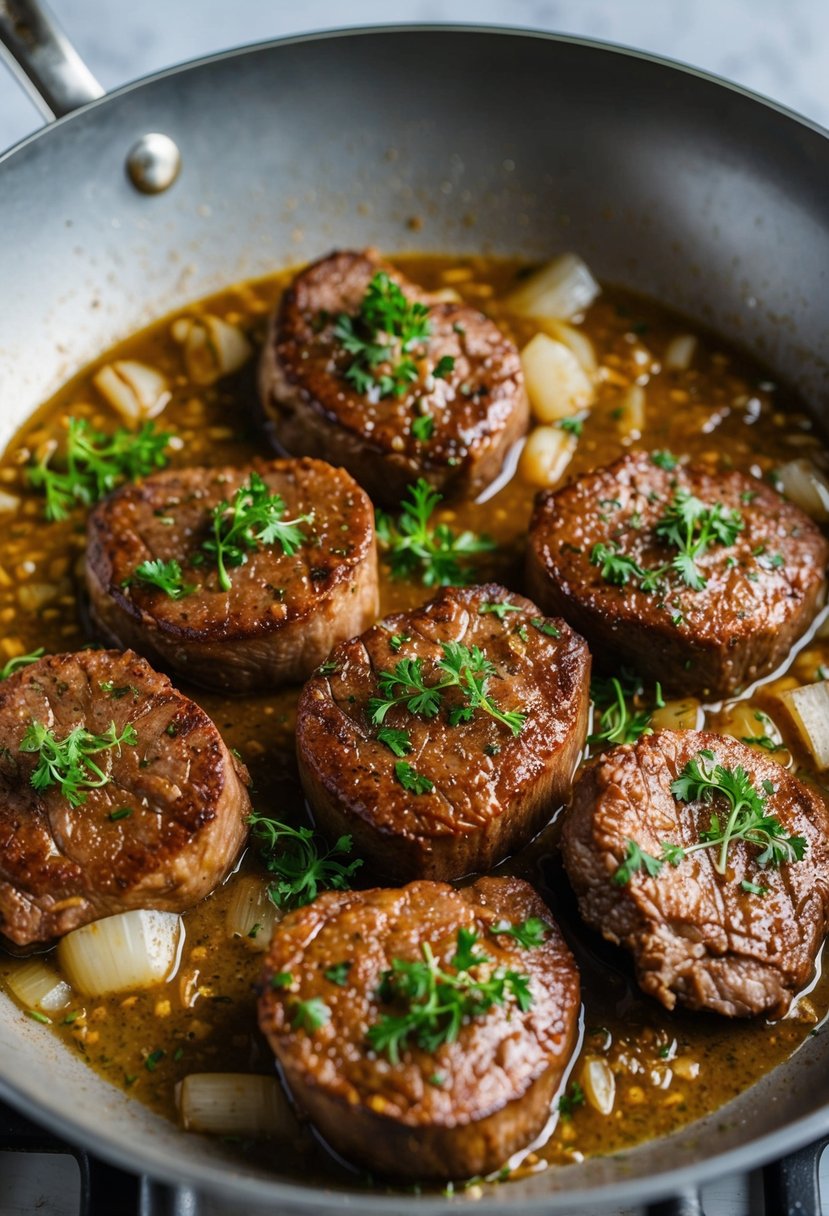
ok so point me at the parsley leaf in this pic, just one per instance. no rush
(383, 334)
(309, 1015)
(95, 464)
(572, 426)
(166, 576)
(620, 716)
(21, 660)
(254, 517)
(411, 779)
(434, 1002)
(443, 367)
(423, 427)
(636, 859)
(397, 741)
(528, 933)
(568, 1102)
(338, 974)
(436, 554)
(68, 762)
(500, 608)
(615, 566)
(664, 460)
(301, 870)
(691, 527)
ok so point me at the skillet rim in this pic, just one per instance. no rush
(216, 1179)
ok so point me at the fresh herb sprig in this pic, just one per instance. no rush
(253, 517)
(382, 338)
(701, 780)
(438, 555)
(18, 662)
(530, 933)
(435, 1001)
(68, 762)
(166, 576)
(300, 869)
(461, 667)
(620, 716)
(95, 464)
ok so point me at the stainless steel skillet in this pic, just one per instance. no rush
(662, 178)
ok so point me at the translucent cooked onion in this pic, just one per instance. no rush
(808, 708)
(557, 384)
(685, 713)
(806, 488)
(235, 1104)
(632, 410)
(576, 340)
(561, 289)
(251, 916)
(599, 1084)
(212, 347)
(122, 953)
(679, 353)
(37, 986)
(749, 724)
(134, 390)
(546, 455)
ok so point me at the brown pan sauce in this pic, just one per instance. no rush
(669, 1068)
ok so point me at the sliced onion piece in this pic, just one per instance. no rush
(561, 289)
(250, 915)
(632, 411)
(682, 714)
(577, 341)
(134, 390)
(807, 488)
(679, 353)
(120, 953)
(599, 1084)
(38, 986)
(8, 502)
(557, 384)
(235, 1104)
(808, 708)
(212, 347)
(546, 455)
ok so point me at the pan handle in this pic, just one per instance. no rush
(45, 61)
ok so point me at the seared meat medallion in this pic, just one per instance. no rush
(138, 803)
(700, 580)
(444, 738)
(709, 863)
(363, 368)
(390, 1088)
(299, 570)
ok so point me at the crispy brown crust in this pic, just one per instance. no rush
(697, 938)
(736, 630)
(500, 1075)
(61, 867)
(479, 410)
(283, 613)
(492, 791)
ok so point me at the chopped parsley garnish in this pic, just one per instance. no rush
(572, 426)
(546, 627)
(462, 668)
(281, 979)
(397, 741)
(528, 933)
(37, 1016)
(501, 609)
(20, 660)
(154, 1059)
(166, 576)
(123, 812)
(423, 427)
(382, 338)
(95, 464)
(411, 779)
(254, 517)
(309, 1015)
(664, 460)
(434, 1002)
(338, 974)
(443, 367)
(701, 780)
(620, 716)
(68, 762)
(571, 1100)
(301, 870)
(753, 888)
(438, 555)
(398, 640)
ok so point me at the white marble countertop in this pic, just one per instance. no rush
(777, 47)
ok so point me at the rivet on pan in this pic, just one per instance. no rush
(153, 163)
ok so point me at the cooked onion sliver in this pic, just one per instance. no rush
(632, 411)
(599, 1084)
(679, 353)
(37, 986)
(121, 953)
(251, 916)
(577, 340)
(212, 347)
(546, 455)
(806, 487)
(134, 390)
(235, 1104)
(808, 708)
(557, 384)
(561, 289)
